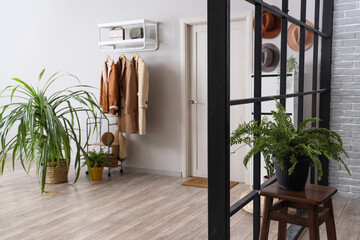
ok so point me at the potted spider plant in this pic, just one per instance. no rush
(48, 126)
(292, 150)
(97, 161)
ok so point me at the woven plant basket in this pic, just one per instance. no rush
(113, 160)
(56, 173)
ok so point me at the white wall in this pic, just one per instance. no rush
(61, 35)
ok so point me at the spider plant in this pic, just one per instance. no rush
(48, 124)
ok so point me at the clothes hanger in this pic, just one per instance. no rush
(135, 55)
(121, 56)
(108, 57)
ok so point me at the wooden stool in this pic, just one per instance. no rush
(315, 199)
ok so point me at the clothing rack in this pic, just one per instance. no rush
(93, 121)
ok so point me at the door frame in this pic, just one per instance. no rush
(185, 24)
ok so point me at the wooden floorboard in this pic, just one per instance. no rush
(347, 219)
(128, 206)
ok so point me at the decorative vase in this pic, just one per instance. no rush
(295, 181)
(96, 173)
(56, 173)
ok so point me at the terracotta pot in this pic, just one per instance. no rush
(96, 173)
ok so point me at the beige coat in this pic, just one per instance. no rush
(143, 92)
(109, 87)
(120, 150)
(128, 96)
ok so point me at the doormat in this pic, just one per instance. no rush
(202, 182)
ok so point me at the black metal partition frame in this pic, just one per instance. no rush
(219, 209)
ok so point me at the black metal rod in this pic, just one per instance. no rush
(268, 182)
(315, 61)
(271, 98)
(294, 232)
(315, 77)
(218, 119)
(291, 19)
(284, 23)
(248, 198)
(301, 62)
(273, 75)
(257, 115)
(268, 114)
(242, 202)
(325, 78)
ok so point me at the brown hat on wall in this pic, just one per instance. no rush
(294, 37)
(271, 24)
(270, 56)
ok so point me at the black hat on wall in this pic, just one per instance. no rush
(270, 56)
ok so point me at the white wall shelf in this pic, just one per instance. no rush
(149, 42)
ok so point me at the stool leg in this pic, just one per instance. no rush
(330, 222)
(313, 219)
(282, 228)
(265, 222)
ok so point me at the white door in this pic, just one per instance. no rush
(240, 87)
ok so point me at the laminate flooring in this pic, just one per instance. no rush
(127, 206)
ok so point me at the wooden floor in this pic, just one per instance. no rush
(130, 206)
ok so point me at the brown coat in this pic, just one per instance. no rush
(128, 96)
(109, 88)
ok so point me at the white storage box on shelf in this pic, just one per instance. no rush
(149, 41)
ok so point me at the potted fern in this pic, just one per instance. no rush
(97, 161)
(47, 125)
(292, 150)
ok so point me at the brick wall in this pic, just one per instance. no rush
(345, 100)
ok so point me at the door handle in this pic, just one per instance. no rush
(193, 102)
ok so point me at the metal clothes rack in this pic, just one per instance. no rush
(92, 121)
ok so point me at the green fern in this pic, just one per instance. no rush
(97, 159)
(280, 139)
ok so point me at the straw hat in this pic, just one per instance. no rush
(271, 24)
(293, 37)
(270, 56)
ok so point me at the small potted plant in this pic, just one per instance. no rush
(292, 150)
(96, 161)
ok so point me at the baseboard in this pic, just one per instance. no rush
(153, 171)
